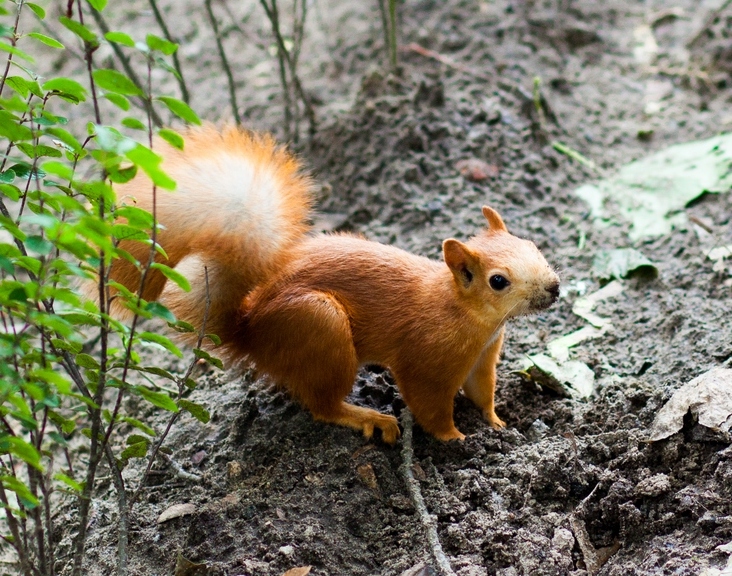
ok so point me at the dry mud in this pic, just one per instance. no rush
(565, 478)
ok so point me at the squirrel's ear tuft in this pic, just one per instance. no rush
(495, 222)
(461, 260)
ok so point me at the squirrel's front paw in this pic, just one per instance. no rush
(453, 434)
(493, 419)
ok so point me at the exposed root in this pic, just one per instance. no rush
(415, 493)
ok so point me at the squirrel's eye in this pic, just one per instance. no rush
(498, 282)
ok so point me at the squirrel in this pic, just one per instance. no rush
(309, 309)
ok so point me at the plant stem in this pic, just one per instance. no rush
(224, 62)
(99, 19)
(169, 38)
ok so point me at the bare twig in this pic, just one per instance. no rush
(288, 64)
(181, 388)
(179, 471)
(415, 493)
(169, 38)
(707, 23)
(224, 62)
(147, 103)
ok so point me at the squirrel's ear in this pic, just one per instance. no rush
(495, 222)
(461, 260)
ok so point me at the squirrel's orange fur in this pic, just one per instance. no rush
(309, 310)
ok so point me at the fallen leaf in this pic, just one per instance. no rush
(476, 170)
(652, 192)
(184, 567)
(299, 571)
(176, 511)
(367, 475)
(571, 378)
(709, 397)
(559, 347)
(622, 263)
(584, 305)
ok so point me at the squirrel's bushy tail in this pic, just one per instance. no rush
(240, 205)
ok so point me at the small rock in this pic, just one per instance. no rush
(654, 486)
(563, 539)
(287, 550)
(537, 430)
(198, 457)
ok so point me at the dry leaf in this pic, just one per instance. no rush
(299, 571)
(571, 379)
(709, 397)
(176, 511)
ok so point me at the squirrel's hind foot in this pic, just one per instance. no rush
(365, 420)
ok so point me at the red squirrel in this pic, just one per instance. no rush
(310, 309)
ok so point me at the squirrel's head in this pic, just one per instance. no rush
(500, 272)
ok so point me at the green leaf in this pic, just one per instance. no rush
(48, 41)
(172, 137)
(159, 372)
(139, 425)
(70, 482)
(116, 82)
(118, 100)
(86, 361)
(120, 38)
(80, 30)
(160, 44)
(12, 129)
(134, 124)
(162, 341)
(68, 346)
(157, 309)
(159, 399)
(136, 450)
(651, 194)
(182, 327)
(39, 245)
(180, 109)
(64, 136)
(135, 216)
(196, 410)
(21, 490)
(66, 87)
(622, 263)
(37, 10)
(173, 275)
(214, 338)
(208, 358)
(22, 449)
(98, 5)
(16, 52)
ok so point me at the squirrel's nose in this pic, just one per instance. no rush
(553, 289)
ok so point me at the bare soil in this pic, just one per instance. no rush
(565, 478)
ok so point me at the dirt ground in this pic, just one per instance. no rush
(566, 478)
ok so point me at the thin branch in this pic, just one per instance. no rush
(415, 493)
(181, 387)
(13, 40)
(99, 19)
(169, 38)
(224, 62)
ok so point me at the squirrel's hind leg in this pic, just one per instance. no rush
(303, 339)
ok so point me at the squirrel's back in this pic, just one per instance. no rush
(240, 204)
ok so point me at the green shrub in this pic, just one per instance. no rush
(60, 228)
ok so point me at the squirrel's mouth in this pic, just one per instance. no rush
(545, 298)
